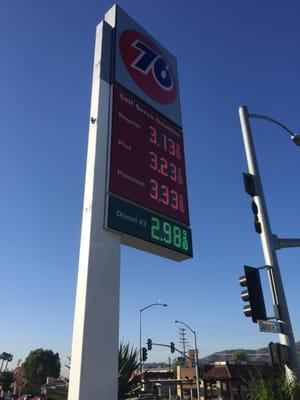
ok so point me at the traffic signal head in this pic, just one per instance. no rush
(250, 184)
(279, 354)
(145, 356)
(253, 294)
(172, 347)
(149, 344)
(257, 224)
(251, 187)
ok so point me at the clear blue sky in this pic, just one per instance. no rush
(229, 53)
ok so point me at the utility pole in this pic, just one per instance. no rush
(269, 241)
(183, 340)
(170, 392)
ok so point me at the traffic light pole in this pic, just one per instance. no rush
(269, 249)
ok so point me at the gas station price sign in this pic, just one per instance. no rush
(149, 227)
(147, 158)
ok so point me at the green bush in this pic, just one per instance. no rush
(272, 388)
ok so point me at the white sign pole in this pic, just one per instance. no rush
(94, 355)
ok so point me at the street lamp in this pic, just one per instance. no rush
(270, 242)
(195, 356)
(158, 303)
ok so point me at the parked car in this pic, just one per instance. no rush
(26, 397)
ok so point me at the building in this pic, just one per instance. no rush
(225, 380)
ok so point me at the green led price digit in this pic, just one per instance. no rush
(177, 236)
(185, 244)
(168, 232)
(154, 228)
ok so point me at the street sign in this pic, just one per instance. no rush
(269, 326)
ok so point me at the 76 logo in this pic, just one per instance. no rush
(149, 61)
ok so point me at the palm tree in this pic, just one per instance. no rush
(3, 357)
(128, 364)
(9, 358)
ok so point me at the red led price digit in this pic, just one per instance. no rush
(164, 192)
(173, 172)
(153, 160)
(154, 189)
(163, 166)
(171, 147)
(152, 135)
(174, 199)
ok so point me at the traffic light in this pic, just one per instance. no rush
(257, 224)
(145, 356)
(253, 294)
(279, 354)
(200, 372)
(250, 184)
(172, 347)
(251, 188)
(149, 344)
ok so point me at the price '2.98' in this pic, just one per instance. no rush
(169, 233)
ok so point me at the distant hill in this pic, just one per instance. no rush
(254, 355)
(226, 355)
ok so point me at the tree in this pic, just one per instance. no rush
(39, 364)
(9, 358)
(2, 357)
(128, 364)
(6, 378)
(240, 355)
(5, 357)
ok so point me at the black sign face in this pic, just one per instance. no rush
(138, 222)
(147, 158)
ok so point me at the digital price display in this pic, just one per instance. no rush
(147, 158)
(150, 227)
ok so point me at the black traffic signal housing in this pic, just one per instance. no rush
(250, 184)
(257, 224)
(145, 355)
(253, 294)
(200, 372)
(149, 344)
(172, 347)
(279, 354)
(251, 188)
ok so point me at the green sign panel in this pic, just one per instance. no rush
(135, 221)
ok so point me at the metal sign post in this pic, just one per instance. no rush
(94, 356)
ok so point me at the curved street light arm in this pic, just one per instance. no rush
(259, 116)
(183, 323)
(154, 304)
